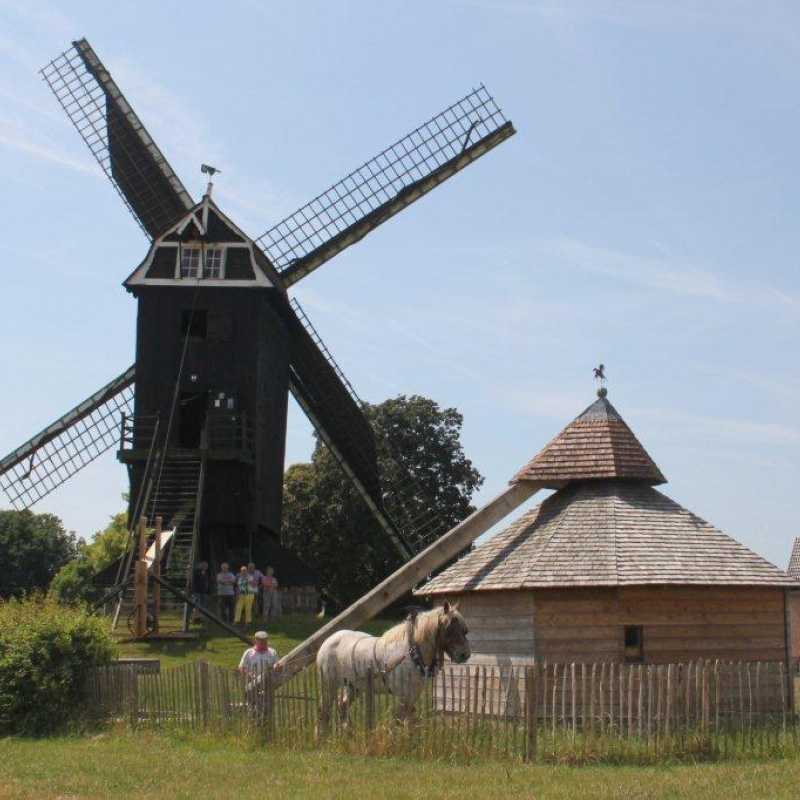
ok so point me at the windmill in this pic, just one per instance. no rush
(200, 419)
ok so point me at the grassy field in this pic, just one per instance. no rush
(218, 647)
(151, 766)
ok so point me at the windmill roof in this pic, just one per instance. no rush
(596, 444)
(794, 561)
(607, 533)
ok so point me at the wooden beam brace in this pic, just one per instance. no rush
(418, 568)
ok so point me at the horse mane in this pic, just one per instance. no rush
(426, 625)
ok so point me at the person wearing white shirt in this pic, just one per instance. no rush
(258, 660)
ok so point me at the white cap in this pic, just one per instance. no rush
(260, 635)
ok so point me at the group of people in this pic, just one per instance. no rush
(240, 595)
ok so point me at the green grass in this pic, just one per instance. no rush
(152, 766)
(218, 647)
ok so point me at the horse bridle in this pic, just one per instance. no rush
(427, 671)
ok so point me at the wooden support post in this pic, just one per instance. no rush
(157, 574)
(140, 583)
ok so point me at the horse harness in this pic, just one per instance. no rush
(427, 671)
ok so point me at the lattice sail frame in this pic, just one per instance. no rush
(406, 516)
(386, 184)
(117, 139)
(69, 444)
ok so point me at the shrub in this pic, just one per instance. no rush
(45, 650)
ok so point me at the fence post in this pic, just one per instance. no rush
(370, 701)
(133, 695)
(202, 667)
(530, 712)
(573, 697)
(269, 705)
(782, 679)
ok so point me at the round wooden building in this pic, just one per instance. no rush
(608, 568)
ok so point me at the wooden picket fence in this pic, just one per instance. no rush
(550, 711)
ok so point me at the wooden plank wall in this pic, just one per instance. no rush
(794, 623)
(680, 623)
(500, 626)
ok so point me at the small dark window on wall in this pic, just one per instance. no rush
(220, 326)
(634, 644)
(194, 322)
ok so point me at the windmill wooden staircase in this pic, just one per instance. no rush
(175, 496)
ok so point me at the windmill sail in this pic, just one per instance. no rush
(65, 447)
(116, 137)
(328, 400)
(385, 185)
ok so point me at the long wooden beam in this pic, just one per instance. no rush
(412, 572)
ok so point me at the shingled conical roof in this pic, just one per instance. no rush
(596, 444)
(607, 533)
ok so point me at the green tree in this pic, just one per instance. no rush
(75, 580)
(33, 548)
(329, 526)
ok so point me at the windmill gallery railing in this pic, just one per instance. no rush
(223, 432)
(540, 711)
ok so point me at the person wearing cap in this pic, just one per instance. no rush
(259, 659)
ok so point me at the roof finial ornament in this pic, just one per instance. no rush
(600, 377)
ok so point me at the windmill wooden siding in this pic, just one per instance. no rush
(608, 552)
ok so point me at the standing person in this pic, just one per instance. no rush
(245, 595)
(255, 576)
(257, 661)
(226, 592)
(271, 595)
(201, 587)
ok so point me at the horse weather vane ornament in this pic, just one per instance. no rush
(600, 378)
(200, 418)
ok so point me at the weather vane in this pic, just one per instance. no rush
(207, 169)
(600, 377)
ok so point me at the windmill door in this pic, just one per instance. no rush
(192, 411)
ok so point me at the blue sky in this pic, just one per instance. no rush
(644, 216)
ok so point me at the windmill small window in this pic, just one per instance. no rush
(212, 264)
(190, 262)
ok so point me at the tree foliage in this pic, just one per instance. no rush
(329, 526)
(33, 547)
(75, 580)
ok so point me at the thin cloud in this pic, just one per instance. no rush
(664, 274)
(22, 142)
(689, 426)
